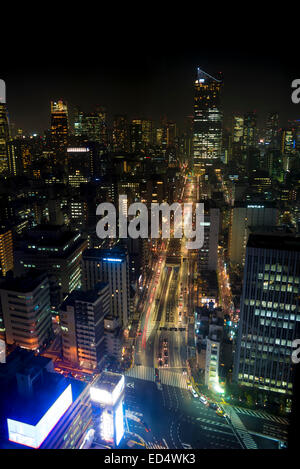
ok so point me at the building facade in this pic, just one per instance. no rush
(112, 267)
(25, 305)
(207, 133)
(6, 251)
(56, 250)
(243, 216)
(269, 318)
(82, 323)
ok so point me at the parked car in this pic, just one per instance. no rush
(213, 405)
(203, 400)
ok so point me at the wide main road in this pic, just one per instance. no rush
(151, 315)
(177, 304)
(168, 304)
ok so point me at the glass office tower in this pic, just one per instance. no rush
(207, 133)
(270, 319)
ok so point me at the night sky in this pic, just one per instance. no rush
(146, 72)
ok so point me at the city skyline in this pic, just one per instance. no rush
(149, 328)
(152, 88)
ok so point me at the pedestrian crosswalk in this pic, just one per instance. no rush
(167, 377)
(261, 414)
(172, 378)
(133, 415)
(156, 446)
(141, 372)
(211, 422)
(241, 429)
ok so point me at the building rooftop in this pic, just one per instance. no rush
(89, 296)
(280, 241)
(18, 360)
(30, 410)
(25, 283)
(262, 229)
(29, 387)
(117, 252)
(108, 381)
(50, 235)
(255, 204)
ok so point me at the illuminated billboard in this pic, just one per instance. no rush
(107, 426)
(103, 396)
(2, 351)
(34, 435)
(119, 423)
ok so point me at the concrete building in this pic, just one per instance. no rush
(107, 393)
(208, 253)
(113, 338)
(25, 309)
(82, 324)
(111, 266)
(244, 215)
(6, 251)
(57, 251)
(41, 408)
(213, 350)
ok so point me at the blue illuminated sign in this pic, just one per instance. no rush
(111, 259)
(119, 423)
(34, 435)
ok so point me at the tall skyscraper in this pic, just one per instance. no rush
(4, 137)
(171, 133)
(92, 126)
(207, 133)
(237, 137)
(287, 141)
(147, 136)
(140, 135)
(112, 267)
(120, 133)
(250, 133)
(102, 113)
(237, 128)
(19, 156)
(272, 127)
(59, 124)
(136, 135)
(269, 319)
